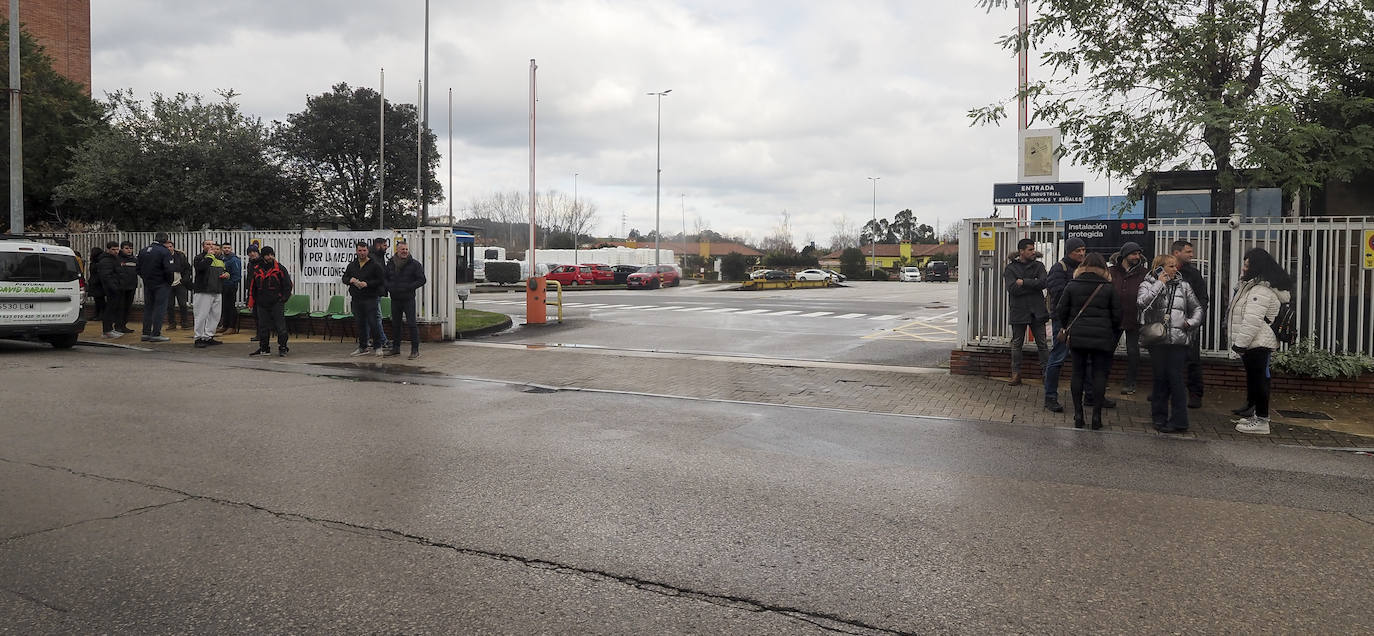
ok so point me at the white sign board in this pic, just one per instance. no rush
(1037, 156)
(327, 254)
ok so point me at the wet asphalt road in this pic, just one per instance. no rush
(903, 324)
(167, 493)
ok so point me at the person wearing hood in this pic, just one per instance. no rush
(1024, 279)
(1170, 302)
(1090, 312)
(1075, 250)
(1127, 274)
(1264, 288)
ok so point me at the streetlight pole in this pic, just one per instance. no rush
(683, 199)
(875, 221)
(16, 129)
(658, 172)
(576, 216)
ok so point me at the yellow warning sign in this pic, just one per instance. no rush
(1369, 249)
(987, 239)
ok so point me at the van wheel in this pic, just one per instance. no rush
(64, 341)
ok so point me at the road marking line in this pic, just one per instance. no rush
(754, 311)
(789, 312)
(666, 308)
(944, 315)
(692, 309)
(593, 305)
(721, 310)
(816, 314)
(886, 317)
(952, 321)
(851, 315)
(630, 307)
(573, 304)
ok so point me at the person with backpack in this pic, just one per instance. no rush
(268, 291)
(1090, 312)
(1169, 319)
(1264, 289)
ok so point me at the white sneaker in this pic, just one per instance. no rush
(1255, 426)
(360, 351)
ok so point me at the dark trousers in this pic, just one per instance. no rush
(1169, 397)
(229, 312)
(366, 312)
(154, 309)
(271, 317)
(178, 299)
(1018, 341)
(99, 308)
(1058, 353)
(127, 296)
(114, 312)
(1132, 357)
(1090, 368)
(1257, 379)
(1195, 366)
(403, 316)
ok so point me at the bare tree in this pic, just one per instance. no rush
(780, 240)
(844, 234)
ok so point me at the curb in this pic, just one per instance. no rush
(475, 333)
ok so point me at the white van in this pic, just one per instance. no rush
(41, 292)
(909, 275)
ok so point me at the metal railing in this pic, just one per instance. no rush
(1324, 255)
(434, 247)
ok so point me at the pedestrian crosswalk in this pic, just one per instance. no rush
(944, 318)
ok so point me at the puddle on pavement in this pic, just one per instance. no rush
(380, 367)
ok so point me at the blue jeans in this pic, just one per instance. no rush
(154, 300)
(1169, 399)
(379, 336)
(367, 311)
(1058, 353)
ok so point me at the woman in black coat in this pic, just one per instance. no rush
(1091, 310)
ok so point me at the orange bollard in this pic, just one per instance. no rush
(536, 295)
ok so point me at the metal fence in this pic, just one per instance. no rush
(434, 247)
(1332, 291)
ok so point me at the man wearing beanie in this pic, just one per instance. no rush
(1060, 274)
(1127, 274)
(267, 293)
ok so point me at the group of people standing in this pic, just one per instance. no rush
(1092, 306)
(370, 277)
(212, 280)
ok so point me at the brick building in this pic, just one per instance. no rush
(63, 27)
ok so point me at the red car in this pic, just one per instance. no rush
(653, 277)
(601, 274)
(571, 274)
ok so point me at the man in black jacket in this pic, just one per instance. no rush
(156, 269)
(404, 275)
(366, 279)
(207, 292)
(105, 272)
(1024, 278)
(180, 295)
(1183, 253)
(268, 290)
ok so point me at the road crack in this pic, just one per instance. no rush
(127, 513)
(823, 620)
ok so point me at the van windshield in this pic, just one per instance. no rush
(45, 268)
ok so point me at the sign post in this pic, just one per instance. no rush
(1065, 192)
(1369, 249)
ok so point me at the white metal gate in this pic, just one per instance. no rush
(1332, 291)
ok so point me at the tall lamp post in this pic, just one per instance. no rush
(658, 172)
(875, 221)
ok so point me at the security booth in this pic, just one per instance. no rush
(465, 239)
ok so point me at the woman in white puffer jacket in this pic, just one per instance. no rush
(1264, 287)
(1165, 299)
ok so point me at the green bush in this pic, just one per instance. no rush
(733, 266)
(852, 262)
(876, 274)
(503, 272)
(1306, 360)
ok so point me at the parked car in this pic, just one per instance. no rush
(770, 274)
(653, 277)
(623, 272)
(602, 274)
(839, 278)
(571, 274)
(43, 292)
(909, 275)
(937, 270)
(813, 274)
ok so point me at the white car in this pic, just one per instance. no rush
(909, 275)
(813, 274)
(41, 292)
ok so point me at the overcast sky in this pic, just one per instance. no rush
(776, 106)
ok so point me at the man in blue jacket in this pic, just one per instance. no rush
(229, 311)
(404, 275)
(156, 268)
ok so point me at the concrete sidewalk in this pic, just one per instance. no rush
(896, 390)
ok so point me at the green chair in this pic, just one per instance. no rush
(343, 316)
(297, 305)
(337, 305)
(386, 310)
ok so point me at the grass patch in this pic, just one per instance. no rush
(471, 319)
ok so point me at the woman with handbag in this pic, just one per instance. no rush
(1170, 315)
(1090, 309)
(1264, 288)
